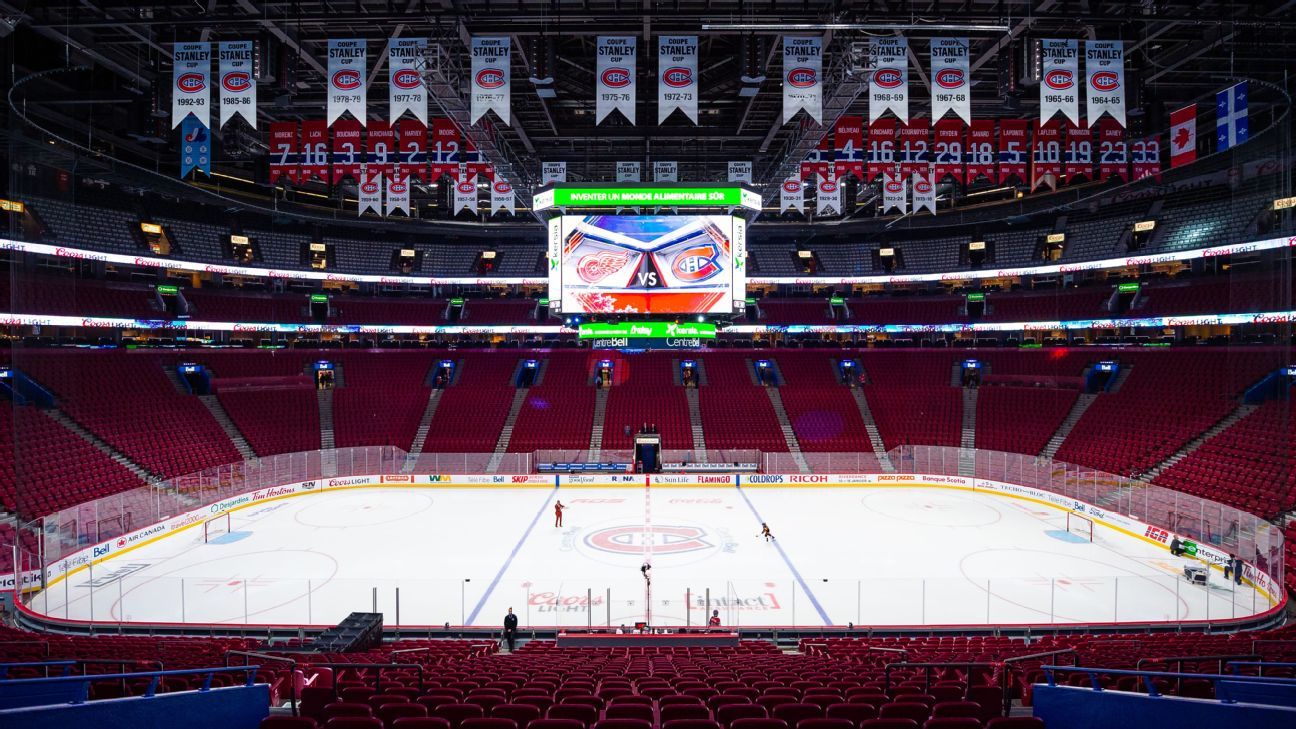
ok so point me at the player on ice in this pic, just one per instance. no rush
(558, 510)
(765, 532)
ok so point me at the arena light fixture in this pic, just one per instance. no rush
(879, 27)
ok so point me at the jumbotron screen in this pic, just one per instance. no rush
(647, 264)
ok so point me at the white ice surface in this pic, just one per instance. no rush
(871, 556)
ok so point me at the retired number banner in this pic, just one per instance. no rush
(284, 159)
(382, 148)
(915, 152)
(1078, 163)
(948, 150)
(981, 151)
(348, 149)
(881, 149)
(1012, 149)
(314, 150)
(848, 136)
(1113, 154)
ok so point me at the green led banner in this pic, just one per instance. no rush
(168, 290)
(319, 298)
(975, 297)
(599, 196)
(647, 330)
(1128, 288)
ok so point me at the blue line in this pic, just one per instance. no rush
(517, 547)
(797, 575)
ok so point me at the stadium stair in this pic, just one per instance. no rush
(1082, 404)
(695, 422)
(967, 439)
(328, 458)
(420, 435)
(596, 430)
(1240, 412)
(506, 433)
(235, 435)
(785, 425)
(102, 445)
(870, 427)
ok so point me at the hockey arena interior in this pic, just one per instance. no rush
(684, 364)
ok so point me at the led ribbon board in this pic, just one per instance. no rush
(647, 335)
(646, 196)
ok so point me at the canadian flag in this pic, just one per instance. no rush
(1183, 136)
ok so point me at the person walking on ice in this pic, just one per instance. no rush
(558, 510)
(765, 532)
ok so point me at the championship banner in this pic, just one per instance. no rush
(1012, 149)
(665, 171)
(195, 147)
(848, 137)
(915, 151)
(502, 196)
(1183, 136)
(627, 172)
(1105, 80)
(1078, 154)
(614, 77)
(981, 151)
(284, 159)
(444, 152)
(924, 192)
(346, 79)
(951, 79)
(803, 77)
(381, 144)
(889, 80)
(828, 196)
(792, 195)
(677, 76)
(314, 150)
(413, 150)
(490, 77)
(405, 89)
(1113, 155)
(740, 172)
(237, 84)
(881, 149)
(947, 150)
(554, 172)
(1145, 158)
(190, 94)
(1058, 89)
(893, 192)
(370, 189)
(465, 195)
(1046, 157)
(348, 149)
(398, 193)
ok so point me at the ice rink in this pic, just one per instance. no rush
(863, 555)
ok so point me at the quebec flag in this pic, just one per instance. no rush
(1231, 117)
(195, 147)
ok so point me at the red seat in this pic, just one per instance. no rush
(956, 709)
(288, 722)
(824, 723)
(456, 713)
(728, 714)
(420, 722)
(952, 722)
(584, 713)
(671, 712)
(488, 723)
(889, 723)
(905, 710)
(795, 713)
(353, 722)
(391, 712)
(642, 712)
(520, 713)
(758, 724)
(342, 708)
(853, 711)
(554, 724)
(691, 724)
(623, 724)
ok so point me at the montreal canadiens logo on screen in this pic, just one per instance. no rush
(594, 267)
(1104, 81)
(346, 80)
(950, 78)
(615, 78)
(236, 81)
(1060, 80)
(191, 83)
(802, 78)
(490, 78)
(887, 78)
(698, 263)
(677, 77)
(406, 79)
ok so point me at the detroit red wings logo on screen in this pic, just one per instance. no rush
(594, 267)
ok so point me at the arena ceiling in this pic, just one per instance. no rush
(1177, 52)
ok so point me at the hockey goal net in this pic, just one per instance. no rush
(1080, 525)
(216, 526)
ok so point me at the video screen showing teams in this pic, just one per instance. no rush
(647, 264)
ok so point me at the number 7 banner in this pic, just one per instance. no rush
(284, 159)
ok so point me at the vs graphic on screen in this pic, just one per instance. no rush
(647, 264)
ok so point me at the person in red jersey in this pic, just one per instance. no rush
(558, 510)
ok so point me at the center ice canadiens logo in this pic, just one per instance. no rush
(666, 540)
